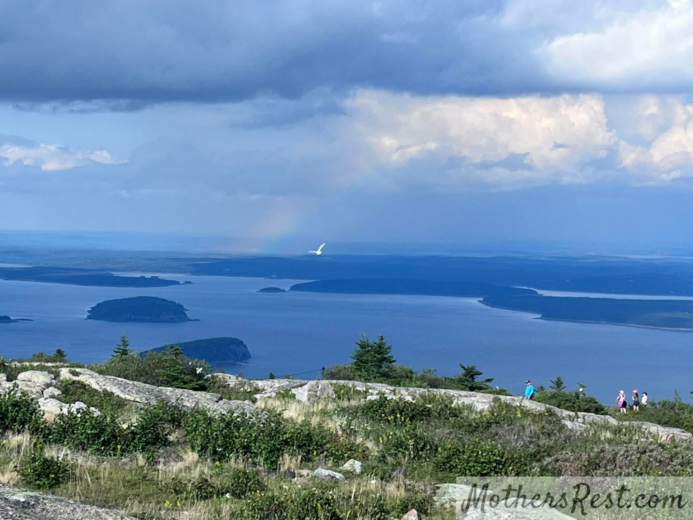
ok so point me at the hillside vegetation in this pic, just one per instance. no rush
(175, 459)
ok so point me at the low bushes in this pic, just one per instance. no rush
(237, 483)
(44, 472)
(571, 401)
(673, 413)
(169, 368)
(261, 439)
(324, 501)
(74, 391)
(19, 413)
(102, 434)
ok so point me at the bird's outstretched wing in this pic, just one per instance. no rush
(321, 246)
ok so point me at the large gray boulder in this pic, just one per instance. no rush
(31, 382)
(36, 377)
(326, 474)
(21, 504)
(51, 408)
(142, 393)
(313, 391)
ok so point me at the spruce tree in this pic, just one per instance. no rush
(372, 359)
(557, 385)
(123, 348)
(468, 379)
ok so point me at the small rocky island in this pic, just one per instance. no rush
(272, 290)
(215, 351)
(144, 309)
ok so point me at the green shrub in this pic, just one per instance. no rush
(102, 434)
(672, 413)
(286, 394)
(244, 392)
(236, 483)
(169, 368)
(85, 430)
(623, 457)
(18, 413)
(10, 369)
(107, 402)
(321, 501)
(348, 393)
(395, 411)
(151, 431)
(571, 401)
(59, 356)
(241, 482)
(409, 442)
(422, 502)
(476, 458)
(44, 472)
(341, 372)
(259, 438)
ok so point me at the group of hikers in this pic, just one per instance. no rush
(636, 401)
(620, 400)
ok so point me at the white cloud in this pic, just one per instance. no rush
(50, 157)
(649, 48)
(552, 138)
(669, 156)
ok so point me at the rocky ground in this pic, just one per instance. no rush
(18, 504)
(309, 391)
(45, 387)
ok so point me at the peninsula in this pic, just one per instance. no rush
(410, 287)
(86, 277)
(215, 351)
(146, 309)
(272, 290)
(661, 314)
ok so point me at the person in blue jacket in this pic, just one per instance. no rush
(529, 390)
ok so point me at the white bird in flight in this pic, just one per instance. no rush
(318, 252)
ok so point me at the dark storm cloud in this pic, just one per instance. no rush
(126, 53)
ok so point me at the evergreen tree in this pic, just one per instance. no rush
(60, 355)
(557, 384)
(123, 348)
(372, 359)
(175, 351)
(467, 380)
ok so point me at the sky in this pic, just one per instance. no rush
(483, 121)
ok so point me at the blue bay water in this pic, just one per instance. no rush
(300, 332)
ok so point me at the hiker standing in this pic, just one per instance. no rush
(636, 400)
(644, 399)
(529, 390)
(621, 401)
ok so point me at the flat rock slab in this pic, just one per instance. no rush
(21, 504)
(143, 393)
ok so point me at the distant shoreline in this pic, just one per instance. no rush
(538, 316)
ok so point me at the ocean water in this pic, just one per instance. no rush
(298, 333)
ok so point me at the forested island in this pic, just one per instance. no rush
(661, 314)
(147, 309)
(272, 290)
(410, 287)
(7, 319)
(85, 277)
(215, 351)
(610, 275)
